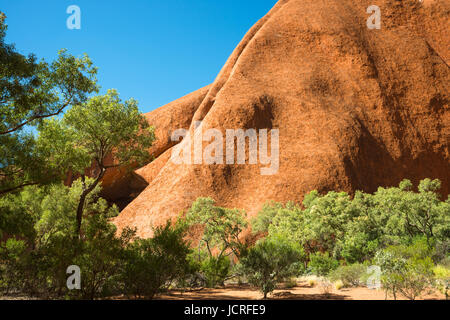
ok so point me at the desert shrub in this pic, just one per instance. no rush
(445, 262)
(349, 275)
(357, 247)
(221, 227)
(269, 262)
(321, 264)
(41, 260)
(441, 253)
(417, 277)
(12, 268)
(442, 279)
(215, 270)
(407, 270)
(220, 238)
(339, 284)
(400, 214)
(151, 265)
(290, 283)
(324, 219)
(355, 229)
(391, 266)
(326, 287)
(312, 283)
(98, 257)
(19, 213)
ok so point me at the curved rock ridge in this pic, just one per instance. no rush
(355, 109)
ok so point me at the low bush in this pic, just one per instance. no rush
(269, 262)
(215, 270)
(312, 283)
(442, 279)
(321, 264)
(349, 275)
(339, 285)
(290, 283)
(151, 265)
(405, 269)
(326, 287)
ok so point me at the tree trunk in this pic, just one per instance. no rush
(84, 194)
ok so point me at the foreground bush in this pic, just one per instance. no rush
(215, 270)
(407, 270)
(349, 275)
(269, 262)
(220, 239)
(110, 265)
(442, 279)
(150, 266)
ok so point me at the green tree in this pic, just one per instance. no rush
(400, 213)
(91, 132)
(31, 91)
(39, 267)
(221, 228)
(265, 216)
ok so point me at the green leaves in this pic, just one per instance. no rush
(406, 269)
(151, 265)
(354, 229)
(46, 90)
(104, 126)
(222, 226)
(30, 92)
(269, 262)
(97, 135)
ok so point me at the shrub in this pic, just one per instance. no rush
(339, 285)
(99, 258)
(442, 279)
(349, 275)
(269, 262)
(215, 270)
(290, 283)
(12, 269)
(321, 264)
(357, 247)
(152, 265)
(312, 283)
(265, 216)
(325, 287)
(405, 269)
(416, 278)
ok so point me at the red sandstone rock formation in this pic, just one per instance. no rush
(355, 108)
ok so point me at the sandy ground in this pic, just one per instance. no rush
(300, 292)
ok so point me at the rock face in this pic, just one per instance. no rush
(356, 108)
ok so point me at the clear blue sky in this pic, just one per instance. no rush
(152, 50)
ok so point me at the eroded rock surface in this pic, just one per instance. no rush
(355, 108)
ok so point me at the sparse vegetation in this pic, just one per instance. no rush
(350, 276)
(338, 285)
